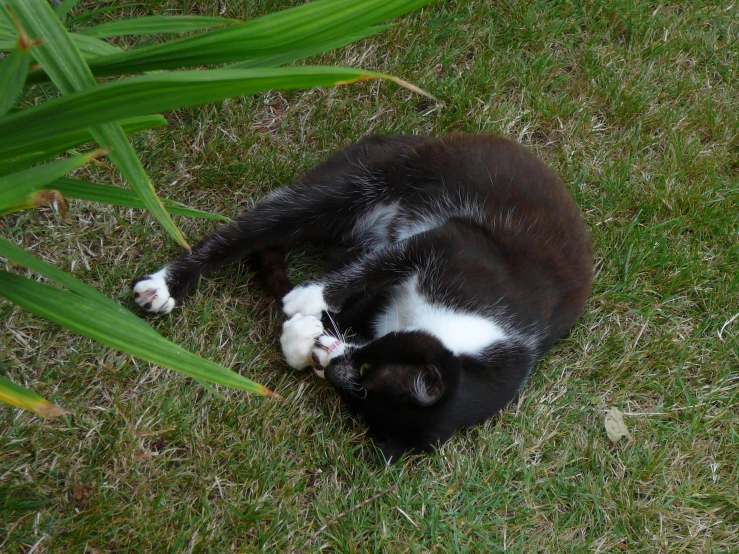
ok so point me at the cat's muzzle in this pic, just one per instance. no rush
(342, 375)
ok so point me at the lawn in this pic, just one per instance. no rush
(634, 104)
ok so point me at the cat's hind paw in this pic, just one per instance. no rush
(299, 334)
(152, 293)
(306, 300)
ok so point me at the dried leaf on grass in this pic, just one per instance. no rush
(615, 426)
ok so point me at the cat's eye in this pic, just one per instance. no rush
(363, 369)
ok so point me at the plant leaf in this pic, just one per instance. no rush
(146, 94)
(156, 25)
(64, 8)
(92, 47)
(95, 321)
(13, 71)
(16, 187)
(39, 198)
(21, 397)
(63, 62)
(7, 26)
(21, 257)
(21, 157)
(309, 51)
(297, 28)
(117, 196)
(18, 255)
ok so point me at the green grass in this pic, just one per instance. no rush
(634, 104)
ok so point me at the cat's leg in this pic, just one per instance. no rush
(271, 267)
(293, 215)
(374, 270)
(318, 208)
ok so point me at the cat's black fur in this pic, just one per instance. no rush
(471, 239)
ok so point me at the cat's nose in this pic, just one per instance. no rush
(341, 374)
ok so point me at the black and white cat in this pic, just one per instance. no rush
(455, 263)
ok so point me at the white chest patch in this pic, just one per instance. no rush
(462, 333)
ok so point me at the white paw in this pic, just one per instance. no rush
(306, 300)
(326, 349)
(152, 293)
(299, 334)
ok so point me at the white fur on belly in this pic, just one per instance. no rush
(462, 333)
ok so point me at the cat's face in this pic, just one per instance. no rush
(398, 385)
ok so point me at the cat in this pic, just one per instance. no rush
(455, 263)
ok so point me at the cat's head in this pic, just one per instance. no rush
(399, 386)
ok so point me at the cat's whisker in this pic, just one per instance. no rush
(338, 334)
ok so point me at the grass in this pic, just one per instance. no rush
(634, 104)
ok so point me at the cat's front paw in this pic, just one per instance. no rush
(152, 293)
(326, 349)
(299, 334)
(306, 300)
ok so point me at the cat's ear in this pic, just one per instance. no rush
(427, 387)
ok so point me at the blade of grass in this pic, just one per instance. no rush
(156, 25)
(21, 397)
(64, 64)
(85, 317)
(117, 196)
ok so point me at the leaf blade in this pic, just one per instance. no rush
(309, 51)
(156, 25)
(64, 63)
(21, 257)
(13, 71)
(117, 196)
(21, 397)
(64, 7)
(147, 94)
(20, 157)
(85, 317)
(16, 186)
(299, 27)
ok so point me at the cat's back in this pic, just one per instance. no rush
(522, 208)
